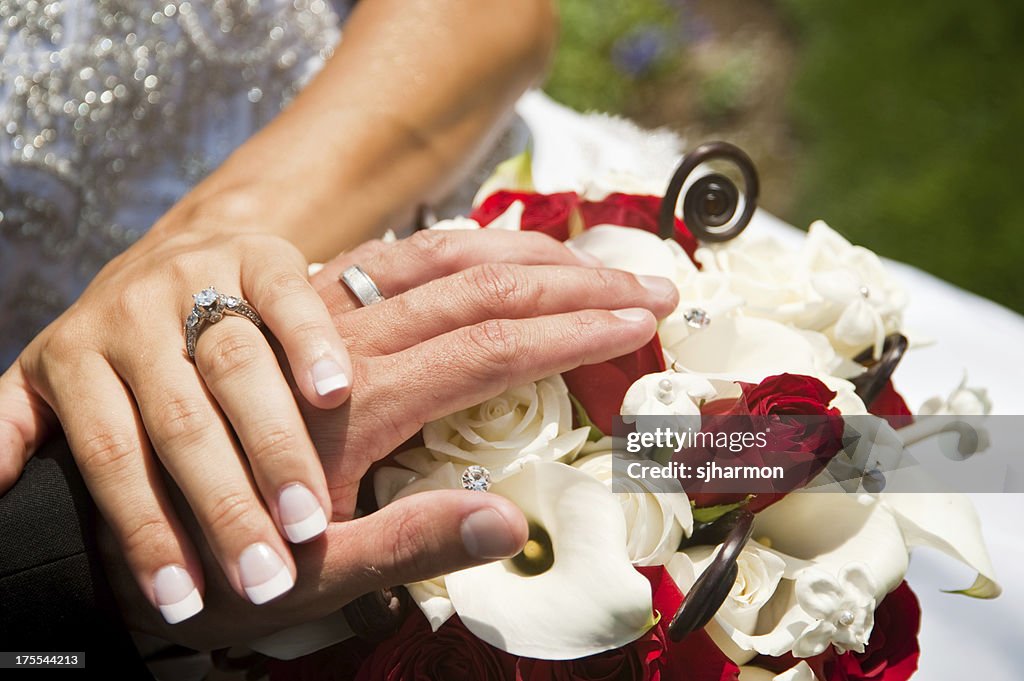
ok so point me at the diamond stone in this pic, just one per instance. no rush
(231, 302)
(206, 297)
(476, 479)
(192, 319)
(697, 318)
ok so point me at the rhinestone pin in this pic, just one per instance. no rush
(476, 479)
(697, 318)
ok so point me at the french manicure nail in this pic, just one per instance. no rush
(584, 257)
(658, 286)
(176, 594)
(264, 575)
(632, 314)
(328, 377)
(301, 514)
(486, 534)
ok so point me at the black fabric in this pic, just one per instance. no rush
(54, 595)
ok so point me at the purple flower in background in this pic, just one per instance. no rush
(638, 51)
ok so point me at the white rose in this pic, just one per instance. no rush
(532, 422)
(759, 573)
(657, 511)
(510, 220)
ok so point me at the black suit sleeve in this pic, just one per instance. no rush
(54, 595)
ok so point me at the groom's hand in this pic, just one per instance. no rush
(459, 326)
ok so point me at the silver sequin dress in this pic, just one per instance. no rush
(110, 110)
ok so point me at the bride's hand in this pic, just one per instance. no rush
(456, 328)
(114, 372)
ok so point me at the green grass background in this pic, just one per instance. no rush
(909, 119)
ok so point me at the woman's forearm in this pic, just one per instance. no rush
(413, 89)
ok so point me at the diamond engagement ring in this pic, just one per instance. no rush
(361, 286)
(210, 307)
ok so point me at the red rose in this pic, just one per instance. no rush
(793, 413)
(551, 214)
(890, 655)
(452, 653)
(890, 405)
(634, 210)
(600, 388)
(339, 662)
(652, 657)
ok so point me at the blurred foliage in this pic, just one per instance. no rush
(908, 115)
(912, 116)
(609, 47)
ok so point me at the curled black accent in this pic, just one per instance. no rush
(870, 383)
(376, 615)
(711, 202)
(713, 586)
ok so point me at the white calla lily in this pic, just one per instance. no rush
(589, 600)
(949, 523)
(800, 672)
(624, 248)
(657, 511)
(749, 349)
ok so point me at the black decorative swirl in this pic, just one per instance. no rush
(871, 382)
(711, 589)
(711, 202)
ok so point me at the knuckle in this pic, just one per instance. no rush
(409, 546)
(145, 534)
(227, 353)
(274, 443)
(104, 451)
(433, 246)
(310, 330)
(283, 285)
(501, 284)
(62, 341)
(230, 511)
(179, 419)
(496, 341)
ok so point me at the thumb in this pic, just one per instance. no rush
(25, 421)
(422, 536)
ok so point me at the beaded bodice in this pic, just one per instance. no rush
(111, 109)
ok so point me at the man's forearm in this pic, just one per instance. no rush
(413, 88)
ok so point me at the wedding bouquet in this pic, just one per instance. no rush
(658, 577)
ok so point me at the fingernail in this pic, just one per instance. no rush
(301, 514)
(658, 286)
(328, 377)
(176, 594)
(632, 314)
(264, 575)
(584, 257)
(486, 534)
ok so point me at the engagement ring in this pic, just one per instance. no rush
(210, 307)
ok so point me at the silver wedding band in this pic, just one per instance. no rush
(209, 308)
(361, 286)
